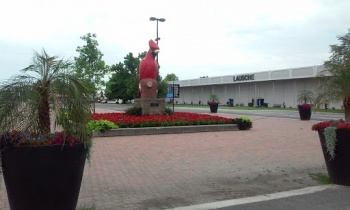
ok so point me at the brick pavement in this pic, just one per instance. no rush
(165, 171)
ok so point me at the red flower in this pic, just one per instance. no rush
(213, 103)
(339, 124)
(19, 138)
(305, 106)
(176, 119)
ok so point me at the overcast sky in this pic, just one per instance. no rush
(198, 38)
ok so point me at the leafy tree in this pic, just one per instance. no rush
(162, 88)
(131, 64)
(336, 78)
(340, 57)
(124, 81)
(116, 87)
(171, 77)
(163, 85)
(89, 65)
(142, 55)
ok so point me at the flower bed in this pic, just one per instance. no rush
(212, 103)
(305, 106)
(177, 119)
(339, 124)
(18, 138)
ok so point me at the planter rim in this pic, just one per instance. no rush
(40, 146)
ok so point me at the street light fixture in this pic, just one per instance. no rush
(157, 38)
(157, 19)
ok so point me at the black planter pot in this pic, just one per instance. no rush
(338, 167)
(304, 114)
(242, 125)
(214, 108)
(43, 177)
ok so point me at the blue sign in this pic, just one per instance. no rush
(174, 88)
(169, 95)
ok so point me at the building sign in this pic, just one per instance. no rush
(245, 77)
(173, 91)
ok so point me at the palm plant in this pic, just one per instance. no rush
(46, 94)
(336, 78)
(213, 98)
(334, 134)
(305, 96)
(335, 87)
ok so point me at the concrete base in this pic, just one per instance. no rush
(151, 106)
(165, 130)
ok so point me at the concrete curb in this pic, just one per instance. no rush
(165, 130)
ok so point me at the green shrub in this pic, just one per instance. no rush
(178, 123)
(135, 111)
(245, 119)
(101, 125)
(165, 124)
(168, 111)
(243, 123)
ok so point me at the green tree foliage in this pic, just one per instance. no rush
(171, 77)
(142, 55)
(89, 65)
(131, 64)
(123, 84)
(162, 88)
(340, 57)
(336, 79)
(116, 87)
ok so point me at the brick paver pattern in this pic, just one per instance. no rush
(166, 171)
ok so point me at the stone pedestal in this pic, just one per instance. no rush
(151, 106)
(149, 88)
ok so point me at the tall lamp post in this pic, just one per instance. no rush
(157, 19)
(157, 38)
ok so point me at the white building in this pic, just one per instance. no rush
(276, 87)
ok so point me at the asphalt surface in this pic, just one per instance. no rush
(332, 198)
(323, 197)
(318, 116)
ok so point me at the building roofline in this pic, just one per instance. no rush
(280, 74)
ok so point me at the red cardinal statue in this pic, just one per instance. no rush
(148, 72)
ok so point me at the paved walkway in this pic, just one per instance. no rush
(174, 170)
